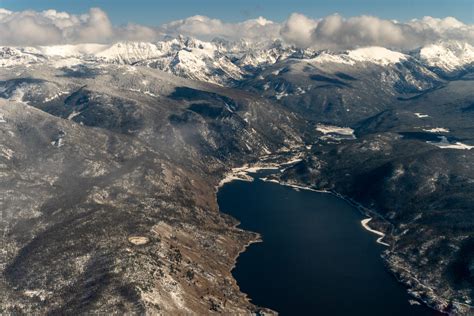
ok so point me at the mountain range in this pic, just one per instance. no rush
(110, 156)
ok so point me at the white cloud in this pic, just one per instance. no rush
(54, 27)
(297, 30)
(94, 27)
(337, 32)
(136, 32)
(27, 28)
(448, 28)
(331, 32)
(206, 28)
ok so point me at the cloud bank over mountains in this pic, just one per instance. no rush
(30, 28)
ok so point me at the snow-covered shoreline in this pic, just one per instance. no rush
(295, 186)
(242, 173)
(365, 224)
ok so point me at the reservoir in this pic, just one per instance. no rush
(315, 258)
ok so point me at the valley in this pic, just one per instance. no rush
(110, 156)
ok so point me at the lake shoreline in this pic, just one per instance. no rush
(403, 276)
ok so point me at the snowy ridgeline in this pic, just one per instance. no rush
(221, 61)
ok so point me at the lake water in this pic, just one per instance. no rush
(315, 258)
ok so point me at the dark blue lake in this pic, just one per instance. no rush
(315, 258)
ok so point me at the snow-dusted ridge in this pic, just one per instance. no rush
(373, 54)
(448, 56)
(377, 55)
(77, 50)
(221, 62)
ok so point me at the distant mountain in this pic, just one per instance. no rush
(12, 56)
(448, 58)
(227, 63)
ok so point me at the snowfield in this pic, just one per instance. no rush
(377, 55)
(445, 144)
(421, 115)
(331, 129)
(436, 130)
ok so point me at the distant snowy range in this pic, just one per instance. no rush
(227, 62)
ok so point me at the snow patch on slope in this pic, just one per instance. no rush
(421, 115)
(436, 130)
(331, 129)
(445, 144)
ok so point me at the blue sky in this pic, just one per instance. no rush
(156, 12)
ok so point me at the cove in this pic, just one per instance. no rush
(315, 258)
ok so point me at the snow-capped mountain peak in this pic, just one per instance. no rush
(129, 52)
(448, 56)
(376, 55)
(76, 50)
(11, 56)
(222, 62)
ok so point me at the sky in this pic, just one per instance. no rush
(331, 24)
(156, 12)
